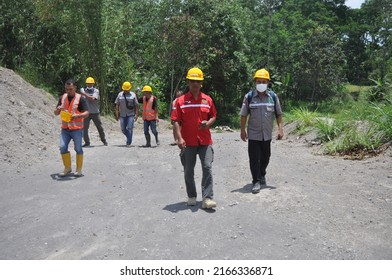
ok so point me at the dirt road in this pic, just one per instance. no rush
(131, 205)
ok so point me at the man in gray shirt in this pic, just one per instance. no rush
(262, 106)
(127, 110)
(91, 94)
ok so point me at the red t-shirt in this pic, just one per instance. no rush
(190, 113)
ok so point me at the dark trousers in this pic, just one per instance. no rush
(259, 154)
(98, 123)
(153, 125)
(188, 159)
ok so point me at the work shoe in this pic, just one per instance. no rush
(208, 203)
(86, 145)
(256, 187)
(191, 201)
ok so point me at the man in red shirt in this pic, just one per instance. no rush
(194, 114)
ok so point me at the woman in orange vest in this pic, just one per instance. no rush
(73, 110)
(150, 115)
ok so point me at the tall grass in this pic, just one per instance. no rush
(382, 117)
(349, 125)
(305, 119)
(356, 141)
(327, 129)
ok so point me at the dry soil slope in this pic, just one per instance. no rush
(28, 127)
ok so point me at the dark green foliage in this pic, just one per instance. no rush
(309, 46)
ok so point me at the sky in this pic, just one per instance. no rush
(355, 4)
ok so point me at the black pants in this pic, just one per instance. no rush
(98, 123)
(259, 155)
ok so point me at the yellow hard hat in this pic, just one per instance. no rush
(147, 88)
(90, 80)
(262, 74)
(126, 86)
(195, 74)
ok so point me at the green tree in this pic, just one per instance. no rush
(322, 66)
(16, 27)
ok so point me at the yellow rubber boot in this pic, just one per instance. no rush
(67, 164)
(79, 165)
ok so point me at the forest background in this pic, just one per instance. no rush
(324, 57)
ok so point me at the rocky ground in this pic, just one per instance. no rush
(130, 202)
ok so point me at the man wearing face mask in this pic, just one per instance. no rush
(91, 94)
(263, 106)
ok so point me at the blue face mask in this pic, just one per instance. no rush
(261, 87)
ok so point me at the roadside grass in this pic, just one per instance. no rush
(348, 126)
(356, 142)
(328, 128)
(305, 119)
(382, 117)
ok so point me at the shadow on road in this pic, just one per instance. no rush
(69, 177)
(248, 188)
(181, 206)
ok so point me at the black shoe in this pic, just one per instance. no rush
(86, 145)
(105, 143)
(263, 182)
(146, 146)
(256, 187)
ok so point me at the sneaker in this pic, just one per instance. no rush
(86, 145)
(208, 203)
(191, 201)
(263, 182)
(256, 187)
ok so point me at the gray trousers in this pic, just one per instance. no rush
(97, 121)
(188, 159)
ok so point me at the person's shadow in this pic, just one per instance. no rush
(248, 188)
(69, 177)
(182, 206)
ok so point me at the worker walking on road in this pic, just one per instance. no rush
(194, 114)
(127, 110)
(91, 94)
(150, 115)
(73, 109)
(263, 106)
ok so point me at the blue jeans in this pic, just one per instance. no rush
(126, 124)
(66, 136)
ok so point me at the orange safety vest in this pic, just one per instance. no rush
(73, 109)
(148, 113)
